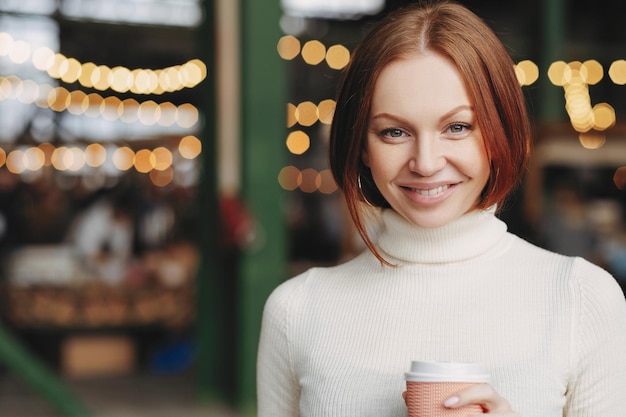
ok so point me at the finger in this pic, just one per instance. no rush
(481, 394)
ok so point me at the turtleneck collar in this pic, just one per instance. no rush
(469, 236)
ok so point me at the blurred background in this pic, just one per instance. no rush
(163, 168)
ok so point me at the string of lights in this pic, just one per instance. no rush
(156, 162)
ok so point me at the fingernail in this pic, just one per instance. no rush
(451, 402)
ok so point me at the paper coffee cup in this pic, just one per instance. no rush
(430, 383)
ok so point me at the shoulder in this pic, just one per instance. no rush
(577, 273)
(598, 288)
(586, 281)
(282, 297)
(317, 281)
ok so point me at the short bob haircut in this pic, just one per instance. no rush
(455, 32)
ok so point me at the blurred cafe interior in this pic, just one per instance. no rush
(163, 168)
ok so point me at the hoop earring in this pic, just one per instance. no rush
(363, 193)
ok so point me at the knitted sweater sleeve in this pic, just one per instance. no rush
(598, 345)
(278, 391)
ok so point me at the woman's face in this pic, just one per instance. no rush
(424, 147)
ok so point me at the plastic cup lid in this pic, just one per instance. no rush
(433, 371)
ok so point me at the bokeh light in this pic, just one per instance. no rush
(298, 142)
(619, 178)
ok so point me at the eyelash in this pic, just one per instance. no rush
(387, 132)
(464, 126)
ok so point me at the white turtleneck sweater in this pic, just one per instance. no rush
(335, 342)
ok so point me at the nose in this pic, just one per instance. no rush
(427, 157)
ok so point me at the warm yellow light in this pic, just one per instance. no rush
(189, 147)
(187, 115)
(54, 70)
(141, 80)
(288, 47)
(111, 108)
(95, 155)
(195, 70)
(313, 52)
(76, 102)
(592, 140)
(617, 72)
(619, 178)
(310, 180)
(162, 178)
(603, 116)
(200, 67)
(163, 158)
(175, 78)
(527, 72)
(58, 99)
(123, 158)
(34, 159)
(3, 157)
(289, 178)
(128, 110)
(72, 71)
(163, 79)
(15, 161)
(326, 111)
(144, 160)
(559, 73)
(591, 72)
(92, 103)
(86, 74)
(167, 114)
(75, 158)
(306, 113)
(298, 142)
(327, 182)
(100, 77)
(147, 112)
(337, 57)
(291, 115)
(121, 79)
(61, 158)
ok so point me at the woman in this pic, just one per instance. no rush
(430, 126)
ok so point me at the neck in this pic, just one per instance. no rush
(469, 236)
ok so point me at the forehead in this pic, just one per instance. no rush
(419, 81)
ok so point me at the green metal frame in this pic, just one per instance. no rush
(209, 283)
(261, 267)
(39, 377)
(551, 103)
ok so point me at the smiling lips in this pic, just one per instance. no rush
(432, 191)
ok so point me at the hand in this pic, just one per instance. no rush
(485, 396)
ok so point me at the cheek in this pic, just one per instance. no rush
(480, 166)
(384, 165)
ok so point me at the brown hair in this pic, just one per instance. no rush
(454, 31)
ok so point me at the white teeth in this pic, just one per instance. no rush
(433, 191)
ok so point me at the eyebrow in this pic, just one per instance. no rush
(449, 114)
